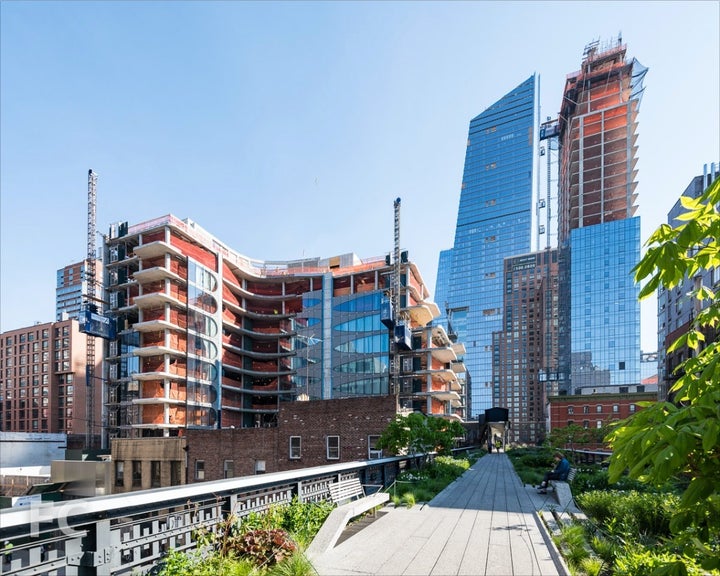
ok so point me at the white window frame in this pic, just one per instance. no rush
(373, 452)
(336, 449)
(295, 447)
(199, 469)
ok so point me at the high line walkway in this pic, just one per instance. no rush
(483, 524)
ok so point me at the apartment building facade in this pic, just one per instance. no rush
(208, 338)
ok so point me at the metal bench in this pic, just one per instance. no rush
(351, 501)
(561, 489)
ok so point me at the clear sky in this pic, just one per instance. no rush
(287, 129)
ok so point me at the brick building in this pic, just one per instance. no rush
(43, 386)
(307, 434)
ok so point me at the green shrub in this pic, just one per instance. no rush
(632, 514)
(408, 499)
(640, 562)
(295, 565)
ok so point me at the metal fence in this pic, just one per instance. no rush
(127, 533)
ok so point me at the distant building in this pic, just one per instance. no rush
(594, 411)
(525, 362)
(43, 384)
(71, 289)
(675, 308)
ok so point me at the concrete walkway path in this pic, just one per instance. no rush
(484, 523)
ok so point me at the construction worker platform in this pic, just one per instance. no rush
(484, 523)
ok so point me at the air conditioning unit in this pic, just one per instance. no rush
(376, 454)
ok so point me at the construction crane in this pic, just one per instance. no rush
(91, 307)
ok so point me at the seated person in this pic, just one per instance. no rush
(560, 472)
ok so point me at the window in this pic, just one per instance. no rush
(175, 473)
(155, 474)
(119, 473)
(199, 469)
(586, 409)
(373, 450)
(598, 424)
(136, 473)
(616, 408)
(571, 409)
(598, 408)
(632, 407)
(333, 447)
(295, 447)
(228, 469)
(586, 424)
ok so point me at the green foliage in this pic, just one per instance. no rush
(668, 440)
(301, 519)
(429, 481)
(531, 463)
(295, 565)
(571, 541)
(630, 513)
(195, 564)
(408, 499)
(639, 562)
(419, 434)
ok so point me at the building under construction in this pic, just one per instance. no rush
(598, 233)
(208, 338)
(598, 134)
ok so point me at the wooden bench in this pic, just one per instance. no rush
(349, 497)
(561, 489)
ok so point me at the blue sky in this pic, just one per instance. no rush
(230, 113)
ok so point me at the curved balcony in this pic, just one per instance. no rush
(257, 335)
(156, 351)
(444, 355)
(156, 273)
(445, 396)
(423, 313)
(155, 249)
(459, 349)
(249, 372)
(155, 299)
(439, 337)
(141, 376)
(257, 355)
(155, 326)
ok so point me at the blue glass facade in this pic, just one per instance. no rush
(605, 331)
(347, 347)
(494, 221)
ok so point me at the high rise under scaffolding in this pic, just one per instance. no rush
(599, 234)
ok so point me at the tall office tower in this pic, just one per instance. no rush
(495, 220)
(599, 236)
(71, 288)
(675, 309)
(208, 338)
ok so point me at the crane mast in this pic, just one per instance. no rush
(90, 281)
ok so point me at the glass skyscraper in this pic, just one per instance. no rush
(495, 220)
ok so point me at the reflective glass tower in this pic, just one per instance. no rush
(495, 220)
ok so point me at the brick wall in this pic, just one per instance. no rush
(351, 419)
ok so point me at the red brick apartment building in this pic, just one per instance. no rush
(595, 410)
(42, 382)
